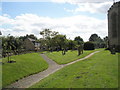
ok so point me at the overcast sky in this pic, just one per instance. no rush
(70, 17)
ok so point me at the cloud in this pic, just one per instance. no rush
(73, 26)
(81, 1)
(58, 1)
(5, 19)
(0, 9)
(91, 7)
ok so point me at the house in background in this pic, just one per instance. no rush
(31, 44)
(114, 26)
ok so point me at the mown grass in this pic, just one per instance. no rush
(68, 57)
(25, 65)
(98, 71)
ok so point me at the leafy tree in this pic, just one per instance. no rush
(72, 44)
(80, 42)
(89, 45)
(47, 33)
(99, 43)
(8, 45)
(11, 44)
(93, 37)
(106, 41)
(60, 41)
(48, 41)
(31, 36)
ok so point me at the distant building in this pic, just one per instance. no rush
(114, 26)
(31, 44)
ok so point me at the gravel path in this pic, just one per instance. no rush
(53, 67)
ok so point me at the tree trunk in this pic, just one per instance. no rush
(63, 52)
(79, 51)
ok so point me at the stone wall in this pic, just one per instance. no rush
(114, 26)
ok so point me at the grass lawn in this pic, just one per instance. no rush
(98, 71)
(68, 57)
(25, 65)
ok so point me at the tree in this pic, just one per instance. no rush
(47, 33)
(89, 46)
(72, 44)
(48, 41)
(80, 42)
(31, 36)
(93, 37)
(60, 41)
(106, 41)
(11, 44)
(8, 46)
(99, 43)
(18, 45)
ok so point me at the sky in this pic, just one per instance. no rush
(69, 17)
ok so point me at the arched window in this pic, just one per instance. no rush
(114, 24)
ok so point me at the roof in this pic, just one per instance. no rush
(31, 39)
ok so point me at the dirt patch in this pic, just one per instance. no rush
(11, 62)
(78, 77)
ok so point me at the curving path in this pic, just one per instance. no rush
(53, 67)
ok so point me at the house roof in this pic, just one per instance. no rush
(31, 39)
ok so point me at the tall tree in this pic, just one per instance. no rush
(79, 46)
(93, 37)
(31, 36)
(47, 33)
(79, 40)
(96, 40)
(48, 38)
(106, 41)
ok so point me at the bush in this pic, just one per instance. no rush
(89, 46)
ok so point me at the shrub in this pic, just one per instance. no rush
(89, 46)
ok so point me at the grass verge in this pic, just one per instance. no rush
(98, 71)
(25, 65)
(68, 57)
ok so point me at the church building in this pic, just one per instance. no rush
(114, 26)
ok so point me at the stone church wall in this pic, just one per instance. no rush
(114, 26)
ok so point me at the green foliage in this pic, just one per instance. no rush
(60, 41)
(98, 42)
(47, 42)
(98, 71)
(31, 36)
(79, 40)
(47, 33)
(11, 44)
(25, 65)
(93, 37)
(72, 44)
(106, 41)
(89, 46)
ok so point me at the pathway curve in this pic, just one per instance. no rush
(53, 67)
